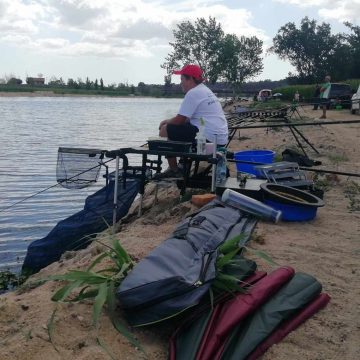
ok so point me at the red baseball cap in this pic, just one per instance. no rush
(191, 70)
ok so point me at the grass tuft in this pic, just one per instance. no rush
(352, 192)
(98, 286)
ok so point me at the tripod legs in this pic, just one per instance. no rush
(293, 129)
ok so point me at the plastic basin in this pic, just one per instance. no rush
(295, 204)
(256, 156)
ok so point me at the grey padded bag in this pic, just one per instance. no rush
(179, 272)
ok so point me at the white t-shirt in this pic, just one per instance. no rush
(201, 102)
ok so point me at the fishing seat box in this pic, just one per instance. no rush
(168, 145)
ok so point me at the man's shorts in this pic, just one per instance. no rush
(324, 102)
(185, 132)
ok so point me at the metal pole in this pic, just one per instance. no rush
(296, 124)
(305, 139)
(116, 183)
(213, 175)
(156, 193)
(300, 167)
(329, 171)
(140, 205)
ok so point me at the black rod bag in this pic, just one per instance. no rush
(179, 272)
(77, 231)
(293, 297)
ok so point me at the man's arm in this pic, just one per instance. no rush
(176, 120)
(324, 87)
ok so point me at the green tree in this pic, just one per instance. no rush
(204, 43)
(240, 58)
(340, 60)
(353, 40)
(53, 81)
(81, 84)
(96, 84)
(72, 84)
(56, 82)
(101, 84)
(309, 49)
(14, 81)
(143, 88)
(196, 43)
(87, 84)
(167, 84)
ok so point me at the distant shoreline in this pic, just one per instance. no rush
(52, 94)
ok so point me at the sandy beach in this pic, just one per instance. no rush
(326, 247)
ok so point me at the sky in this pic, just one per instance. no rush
(126, 41)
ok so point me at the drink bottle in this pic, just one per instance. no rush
(201, 138)
(221, 166)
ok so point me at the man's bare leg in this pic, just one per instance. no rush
(324, 112)
(172, 161)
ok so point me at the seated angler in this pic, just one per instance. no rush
(199, 102)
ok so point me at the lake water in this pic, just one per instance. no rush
(32, 130)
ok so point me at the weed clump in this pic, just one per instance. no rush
(352, 192)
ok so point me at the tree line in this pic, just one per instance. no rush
(315, 52)
(311, 48)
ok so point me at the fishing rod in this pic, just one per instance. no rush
(52, 186)
(301, 167)
(329, 171)
(293, 124)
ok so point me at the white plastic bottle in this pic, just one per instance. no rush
(252, 206)
(201, 139)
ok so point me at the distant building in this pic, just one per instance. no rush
(35, 81)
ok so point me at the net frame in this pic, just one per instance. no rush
(78, 168)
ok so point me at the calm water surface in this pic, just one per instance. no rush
(32, 129)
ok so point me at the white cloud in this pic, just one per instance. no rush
(52, 43)
(77, 13)
(346, 11)
(236, 21)
(341, 10)
(143, 30)
(306, 3)
(18, 27)
(94, 38)
(21, 10)
(20, 17)
(107, 27)
(3, 8)
(120, 51)
(16, 39)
